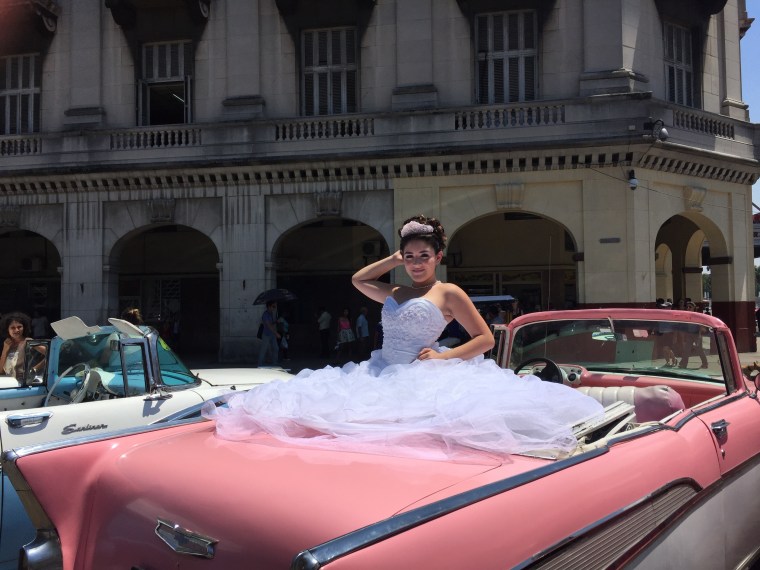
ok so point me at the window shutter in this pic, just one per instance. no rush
(507, 62)
(143, 103)
(351, 92)
(322, 93)
(329, 77)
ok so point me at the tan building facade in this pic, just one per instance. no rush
(185, 155)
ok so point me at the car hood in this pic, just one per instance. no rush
(240, 376)
(264, 501)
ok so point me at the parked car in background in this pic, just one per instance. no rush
(97, 379)
(667, 478)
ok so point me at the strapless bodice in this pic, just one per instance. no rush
(409, 327)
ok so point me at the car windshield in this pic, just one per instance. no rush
(664, 348)
(101, 350)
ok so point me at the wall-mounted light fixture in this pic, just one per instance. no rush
(633, 182)
(655, 130)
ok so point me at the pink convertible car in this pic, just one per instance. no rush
(668, 478)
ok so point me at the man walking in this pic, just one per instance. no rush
(362, 333)
(323, 321)
(269, 334)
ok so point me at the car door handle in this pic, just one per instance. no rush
(28, 420)
(720, 428)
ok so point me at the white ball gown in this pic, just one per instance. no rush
(395, 404)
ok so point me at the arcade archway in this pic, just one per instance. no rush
(515, 253)
(316, 261)
(170, 273)
(29, 275)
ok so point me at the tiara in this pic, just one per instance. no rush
(414, 228)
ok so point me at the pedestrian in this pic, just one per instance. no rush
(40, 325)
(269, 335)
(132, 315)
(283, 327)
(346, 337)
(323, 322)
(362, 333)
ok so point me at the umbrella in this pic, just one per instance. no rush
(274, 295)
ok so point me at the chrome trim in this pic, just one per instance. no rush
(44, 552)
(84, 439)
(604, 542)
(331, 550)
(23, 420)
(184, 541)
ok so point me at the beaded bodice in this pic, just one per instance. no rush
(409, 327)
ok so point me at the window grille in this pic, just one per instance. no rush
(679, 66)
(507, 57)
(20, 77)
(329, 82)
(165, 85)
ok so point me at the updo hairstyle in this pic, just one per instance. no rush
(413, 228)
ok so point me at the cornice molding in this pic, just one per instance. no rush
(377, 174)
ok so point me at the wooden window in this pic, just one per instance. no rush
(679, 65)
(165, 85)
(20, 77)
(329, 82)
(507, 57)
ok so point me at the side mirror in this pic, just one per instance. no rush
(35, 362)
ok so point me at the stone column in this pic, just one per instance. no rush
(243, 99)
(242, 274)
(82, 260)
(85, 81)
(732, 104)
(415, 88)
(609, 38)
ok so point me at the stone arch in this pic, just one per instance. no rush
(315, 260)
(170, 271)
(694, 241)
(29, 275)
(482, 258)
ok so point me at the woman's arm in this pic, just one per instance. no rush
(460, 307)
(366, 279)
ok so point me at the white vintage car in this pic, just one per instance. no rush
(94, 380)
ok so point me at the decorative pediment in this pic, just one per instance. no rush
(472, 7)
(28, 25)
(689, 12)
(301, 14)
(127, 13)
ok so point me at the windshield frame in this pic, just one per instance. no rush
(635, 344)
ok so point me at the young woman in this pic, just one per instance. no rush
(413, 397)
(17, 327)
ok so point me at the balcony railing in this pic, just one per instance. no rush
(513, 116)
(703, 123)
(156, 137)
(19, 146)
(325, 128)
(564, 124)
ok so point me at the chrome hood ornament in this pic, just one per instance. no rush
(184, 541)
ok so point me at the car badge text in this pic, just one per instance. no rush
(74, 428)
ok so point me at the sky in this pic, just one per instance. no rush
(750, 47)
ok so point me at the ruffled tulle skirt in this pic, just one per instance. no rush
(437, 409)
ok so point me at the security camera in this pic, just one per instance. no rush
(633, 182)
